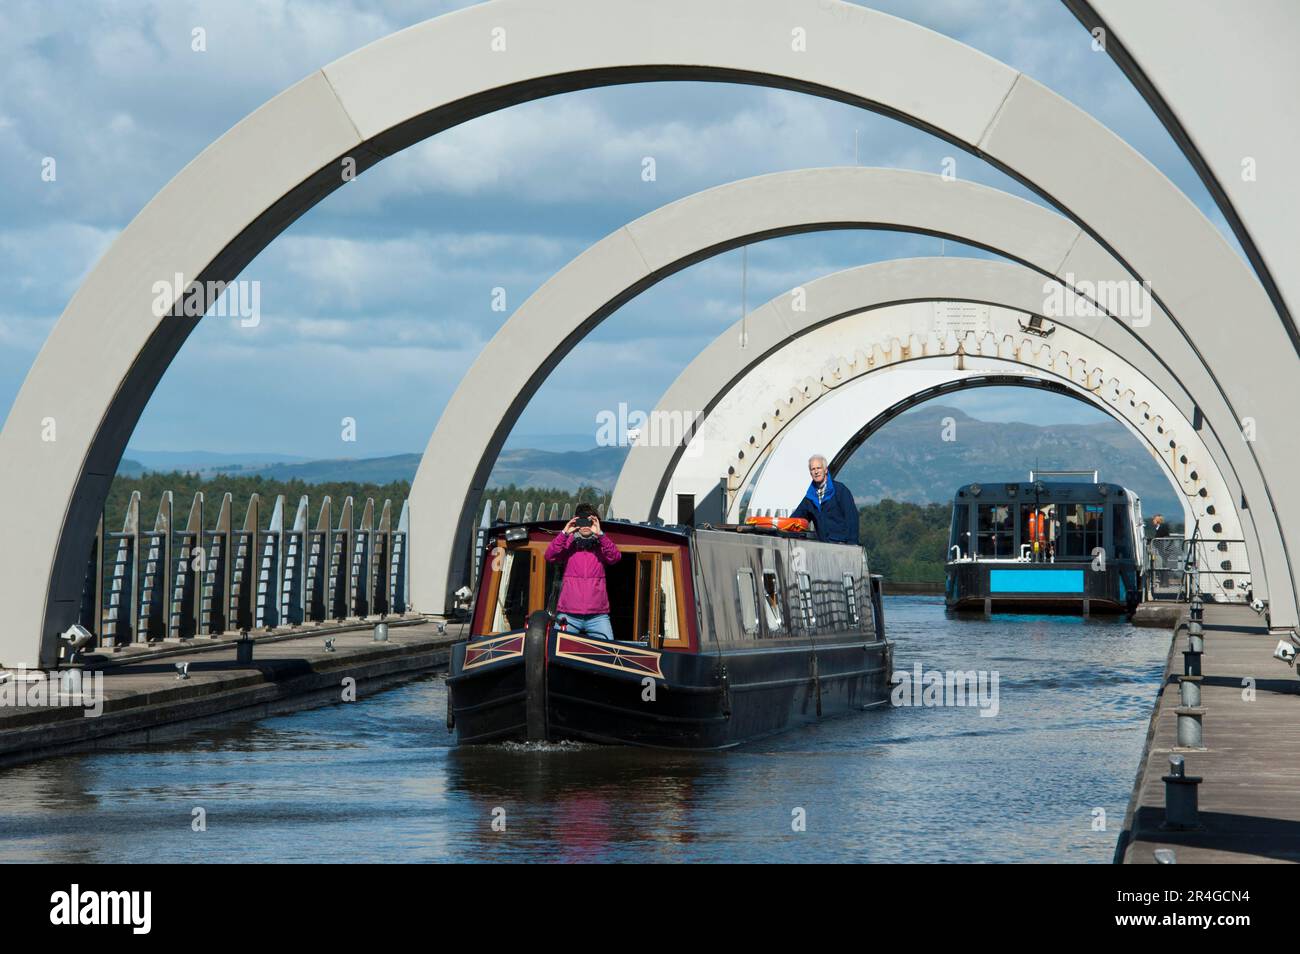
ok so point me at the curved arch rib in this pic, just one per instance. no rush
(633, 258)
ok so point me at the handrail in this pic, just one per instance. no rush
(1189, 562)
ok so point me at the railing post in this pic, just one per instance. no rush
(292, 582)
(118, 622)
(183, 621)
(399, 570)
(316, 582)
(380, 555)
(340, 596)
(359, 569)
(134, 573)
(99, 576)
(266, 598)
(216, 576)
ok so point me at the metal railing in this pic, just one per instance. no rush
(170, 584)
(1166, 572)
(1180, 567)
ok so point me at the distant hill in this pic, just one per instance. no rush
(567, 470)
(907, 461)
(564, 470)
(370, 470)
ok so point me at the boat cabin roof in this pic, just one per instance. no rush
(1048, 491)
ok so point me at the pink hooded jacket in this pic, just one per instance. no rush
(583, 590)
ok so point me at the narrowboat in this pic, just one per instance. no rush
(721, 635)
(1049, 544)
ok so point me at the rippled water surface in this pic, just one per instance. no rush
(379, 779)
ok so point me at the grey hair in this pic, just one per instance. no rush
(819, 457)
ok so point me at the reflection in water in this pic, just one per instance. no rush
(379, 780)
(582, 801)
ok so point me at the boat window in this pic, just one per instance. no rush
(645, 591)
(655, 613)
(669, 628)
(511, 609)
(1081, 530)
(1121, 532)
(1046, 533)
(851, 597)
(805, 600)
(772, 602)
(960, 533)
(621, 585)
(995, 531)
(748, 601)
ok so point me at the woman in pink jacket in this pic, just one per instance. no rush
(583, 551)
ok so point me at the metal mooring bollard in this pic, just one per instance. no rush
(329, 643)
(1190, 733)
(1181, 812)
(381, 632)
(1189, 691)
(244, 650)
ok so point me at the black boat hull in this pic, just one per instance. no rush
(544, 685)
(1041, 587)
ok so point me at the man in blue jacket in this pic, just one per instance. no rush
(829, 505)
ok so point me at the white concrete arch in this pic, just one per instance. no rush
(847, 416)
(842, 419)
(621, 265)
(243, 190)
(1225, 89)
(874, 316)
(924, 344)
(742, 403)
(582, 294)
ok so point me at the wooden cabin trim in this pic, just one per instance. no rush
(540, 539)
(536, 583)
(674, 553)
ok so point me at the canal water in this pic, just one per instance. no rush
(379, 780)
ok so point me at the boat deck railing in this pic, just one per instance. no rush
(1179, 566)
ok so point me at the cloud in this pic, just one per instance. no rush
(384, 289)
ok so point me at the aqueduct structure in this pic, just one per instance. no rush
(938, 325)
(1217, 348)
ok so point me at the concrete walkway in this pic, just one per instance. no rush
(1250, 797)
(145, 700)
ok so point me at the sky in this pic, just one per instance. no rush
(376, 302)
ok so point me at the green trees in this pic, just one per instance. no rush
(906, 542)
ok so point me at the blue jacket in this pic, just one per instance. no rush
(835, 518)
